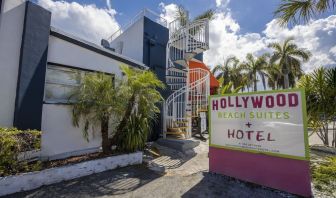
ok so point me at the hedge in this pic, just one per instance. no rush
(13, 142)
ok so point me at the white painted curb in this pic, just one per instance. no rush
(32, 180)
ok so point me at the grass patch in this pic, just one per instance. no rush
(324, 175)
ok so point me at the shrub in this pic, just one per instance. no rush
(12, 142)
(324, 175)
(135, 135)
(127, 108)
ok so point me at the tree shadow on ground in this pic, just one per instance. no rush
(114, 182)
(171, 158)
(215, 185)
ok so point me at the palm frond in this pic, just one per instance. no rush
(208, 14)
(323, 5)
(182, 15)
(276, 46)
(301, 53)
(295, 11)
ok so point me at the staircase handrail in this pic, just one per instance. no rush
(191, 85)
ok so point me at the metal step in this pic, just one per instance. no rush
(181, 62)
(181, 122)
(189, 55)
(175, 133)
(176, 128)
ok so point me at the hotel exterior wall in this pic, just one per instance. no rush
(60, 138)
(132, 40)
(66, 53)
(11, 27)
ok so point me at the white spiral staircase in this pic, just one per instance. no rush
(191, 87)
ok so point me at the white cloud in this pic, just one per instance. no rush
(108, 4)
(222, 3)
(168, 12)
(333, 51)
(318, 37)
(225, 39)
(85, 21)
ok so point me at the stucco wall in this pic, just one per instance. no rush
(64, 52)
(132, 40)
(11, 26)
(59, 137)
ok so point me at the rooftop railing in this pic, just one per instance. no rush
(144, 13)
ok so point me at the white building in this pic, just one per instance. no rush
(39, 66)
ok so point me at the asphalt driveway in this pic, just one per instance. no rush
(139, 181)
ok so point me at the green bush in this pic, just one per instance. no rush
(324, 175)
(12, 142)
(135, 135)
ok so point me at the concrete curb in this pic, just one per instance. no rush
(33, 180)
(324, 149)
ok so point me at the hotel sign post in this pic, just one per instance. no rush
(261, 137)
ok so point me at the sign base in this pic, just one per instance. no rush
(280, 173)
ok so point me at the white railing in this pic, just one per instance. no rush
(199, 91)
(185, 41)
(189, 38)
(144, 13)
(198, 35)
(193, 94)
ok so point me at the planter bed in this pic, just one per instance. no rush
(33, 180)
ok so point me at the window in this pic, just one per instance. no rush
(60, 83)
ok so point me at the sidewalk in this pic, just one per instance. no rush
(182, 179)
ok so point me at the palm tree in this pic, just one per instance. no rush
(296, 11)
(140, 90)
(227, 88)
(246, 83)
(183, 15)
(226, 69)
(128, 108)
(254, 67)
(289, 56)
(237, 77)
(96, 103)
(320, 88)
(230, 73)
(273, 73)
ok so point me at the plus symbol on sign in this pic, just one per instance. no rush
(248, 124)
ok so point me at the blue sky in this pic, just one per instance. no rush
(239, 26)
(252, 15)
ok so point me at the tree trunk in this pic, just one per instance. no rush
(255, 84)
(326, 132)
(334, 135)
(286, 81)
(104, 133)
(124, 120)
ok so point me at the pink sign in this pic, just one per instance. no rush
(261, 137)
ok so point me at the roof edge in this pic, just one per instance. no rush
(95, 48)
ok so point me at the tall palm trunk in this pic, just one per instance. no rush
(104, 132)
(255, 82)
(123, 123)
(286, 81)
